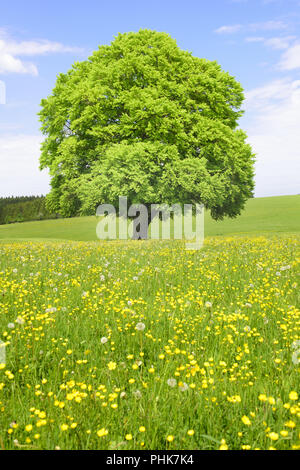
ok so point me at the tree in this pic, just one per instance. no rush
(144, 119)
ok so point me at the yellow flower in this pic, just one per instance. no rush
(290, 424)
(223, 445)
(262, 397)
(273, 436)
(102, 432)
(64, 427)
(128, 437)
(112, 365)
(41, 422)
(142, 429)
(28, 428)
(170, 438)
(190, 432)
(246, 420)
(293, 396)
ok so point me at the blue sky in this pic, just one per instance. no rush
(257, 41)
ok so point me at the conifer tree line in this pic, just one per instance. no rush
(24, 208)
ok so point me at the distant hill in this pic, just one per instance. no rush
(280, 214)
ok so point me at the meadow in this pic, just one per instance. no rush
(145, 345)
(269, 215)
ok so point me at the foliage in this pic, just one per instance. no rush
(23, 208)
(144, 119)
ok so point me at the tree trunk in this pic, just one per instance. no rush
(140, 229)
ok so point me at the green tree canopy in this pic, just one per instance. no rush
(144, 119)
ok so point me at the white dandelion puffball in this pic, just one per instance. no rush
(183, 387)
(137, 394)
(172, 382)
(140, 326)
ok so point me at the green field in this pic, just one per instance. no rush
(127, 345)
(261, 215)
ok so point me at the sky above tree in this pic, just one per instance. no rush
(256, 41)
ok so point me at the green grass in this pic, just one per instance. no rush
(216, 365)
(261, 215)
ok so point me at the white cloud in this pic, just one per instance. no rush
(268, 26)
(37, 47)
(255, 39)
(273, 129)
(228, 29)
(271, 25)
(19, 163)
(11, 50)
(11, 64)
(281, 42)
(267, 95)
(290, 60)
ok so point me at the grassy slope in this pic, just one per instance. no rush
(262, 215)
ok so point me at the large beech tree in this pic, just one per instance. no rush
(144, 119)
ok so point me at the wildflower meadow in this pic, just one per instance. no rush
(145, 345)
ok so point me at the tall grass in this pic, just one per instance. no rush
(144, 345)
